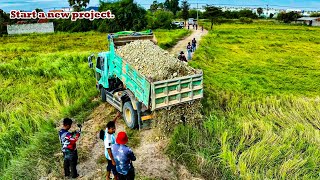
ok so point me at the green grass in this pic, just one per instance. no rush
(168, 38)
(261, 101)
(44, 78)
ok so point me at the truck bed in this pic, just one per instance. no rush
(157, 94)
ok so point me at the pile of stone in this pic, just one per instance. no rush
(157, 64)
(153, 62)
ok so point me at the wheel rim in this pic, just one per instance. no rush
(128, 116)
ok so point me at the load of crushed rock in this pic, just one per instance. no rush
(153, 62)
(157, 64)
(167, 119)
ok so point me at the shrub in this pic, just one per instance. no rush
(246, 20)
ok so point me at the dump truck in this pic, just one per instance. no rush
(133, 94)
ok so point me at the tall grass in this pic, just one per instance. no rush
(43, 78)
(262, 104)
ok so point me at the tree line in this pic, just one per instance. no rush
(131, 16)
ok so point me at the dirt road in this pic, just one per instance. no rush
(182, 45)
(151, 161)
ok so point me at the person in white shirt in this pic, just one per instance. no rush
(110, 139)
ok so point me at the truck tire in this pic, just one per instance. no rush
(130, 115)
(103, 95)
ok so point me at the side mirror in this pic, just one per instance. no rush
(90, 61)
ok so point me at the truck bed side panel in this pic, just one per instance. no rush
(176, 91)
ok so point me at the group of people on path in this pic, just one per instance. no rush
(119, 156)
(191, 47)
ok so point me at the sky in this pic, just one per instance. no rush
(29, 5)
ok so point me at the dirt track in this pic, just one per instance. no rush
(182, 45)
(151, 161)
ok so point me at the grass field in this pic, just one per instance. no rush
(262, 101)
(168, 38)
(43, 79)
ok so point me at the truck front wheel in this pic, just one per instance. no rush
(130, 115)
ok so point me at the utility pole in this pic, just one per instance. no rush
(197, 14)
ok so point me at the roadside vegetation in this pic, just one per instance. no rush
(43, 79)
(261, 103)
(168, 38)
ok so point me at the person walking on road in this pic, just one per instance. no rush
(123, 157)
(194, 44)
(109, 140)
(189, 50)
(69, 148)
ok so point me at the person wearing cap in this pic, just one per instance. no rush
(123, 156)
(182, 57)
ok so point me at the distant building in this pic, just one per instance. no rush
(67, 9)
(267, 12)
(294, 10)
(43, 21)
(92, 8)
(58, 10)
(311, 21)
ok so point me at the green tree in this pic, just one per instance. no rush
(185, 10)
(288, 17)
(154, 6)
(172, 5)
(4, 21)
(259, 11)
(78, 4)
(161, 6)
(128, 16)
(161, 19)
(212, 13)
(38, 10)
(271, 15)
(248, 14)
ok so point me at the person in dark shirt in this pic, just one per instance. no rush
(69, 148)
(182, 57)
(123, 157)
(194, 44)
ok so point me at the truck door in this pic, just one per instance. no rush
(99, 67)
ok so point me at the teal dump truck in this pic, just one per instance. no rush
(121, 85)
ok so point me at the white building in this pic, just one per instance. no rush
(266, 12)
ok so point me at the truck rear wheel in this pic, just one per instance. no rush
(130, 115)
(103, 94)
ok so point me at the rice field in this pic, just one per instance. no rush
(43, 79)
(262, 102)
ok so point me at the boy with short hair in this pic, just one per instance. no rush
(110, 139)
(68, 141)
